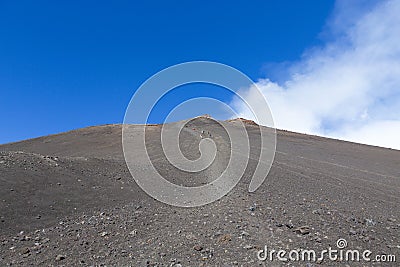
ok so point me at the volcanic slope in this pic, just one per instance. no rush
(69, 199)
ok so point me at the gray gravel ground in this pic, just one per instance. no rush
(68, 199)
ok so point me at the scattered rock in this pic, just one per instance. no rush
(198, 248)
(289, 225)
(218, 233)
(60, 257)
(303, 230)
(317, 211)
(103, 234)
(369, 222)
(25, 238)
(225, 238)
(391, 220)
(133, 233)
(190, 236)
(25, 250)
(244, 233)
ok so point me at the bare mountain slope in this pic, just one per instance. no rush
(69, 199)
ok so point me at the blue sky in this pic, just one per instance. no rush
(66, 65)
(330, 68)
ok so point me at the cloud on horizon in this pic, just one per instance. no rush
(349, 88)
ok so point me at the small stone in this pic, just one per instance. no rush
(352, 232)
(25, 250)
(244, 233)
(60, 257)
(289, 225)
(25, 238)
(103, 234)
(190, 236)
(133, 233)
(369, 222)
(304, 230)
(225, 238)
(218, 233)
(198, 248)
(248, 247)
(317, 211)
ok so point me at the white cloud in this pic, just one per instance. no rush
(349, 88)
(381, 132)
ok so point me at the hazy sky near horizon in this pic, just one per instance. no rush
(325, 67)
